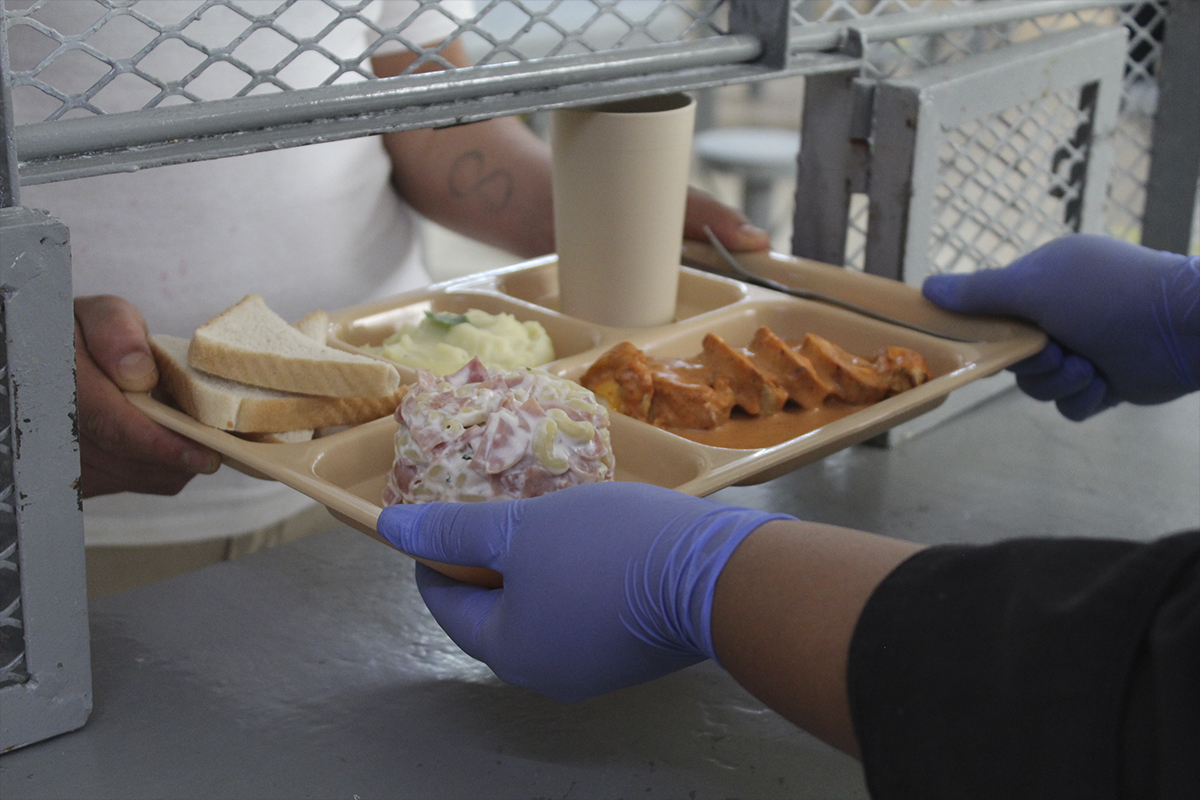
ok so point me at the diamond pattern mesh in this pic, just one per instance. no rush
(221, 43)
(518, 31)
(12, 633)
(259, 46)
(1008, 182)
(1126, 195)
(1131, 140)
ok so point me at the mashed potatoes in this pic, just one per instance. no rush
(444, 342)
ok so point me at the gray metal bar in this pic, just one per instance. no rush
(769, 22)
(1105, 115)
(1175, 145)
(138, 128)
(817, 38)
(896, 114)
(408, 117)
(825, 169)
(10, 180)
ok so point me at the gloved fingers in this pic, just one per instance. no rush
(1087, 402)
(467, 534)
(989, 291)
(460, 608)
(1072, 377)
(1049, 359)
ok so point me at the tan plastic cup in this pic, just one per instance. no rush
(620, 188)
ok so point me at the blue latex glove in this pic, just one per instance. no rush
(1124, 320)
(606, 585)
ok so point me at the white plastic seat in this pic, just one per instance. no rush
(759, 156)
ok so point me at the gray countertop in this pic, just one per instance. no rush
(314, 670)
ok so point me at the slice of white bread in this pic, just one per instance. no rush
(250, 343)
(315, 326)
(235, 406)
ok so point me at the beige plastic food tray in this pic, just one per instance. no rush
(346, 471)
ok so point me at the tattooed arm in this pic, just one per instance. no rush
(491, 181)
(487, 180)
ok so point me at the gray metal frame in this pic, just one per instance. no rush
(912, 115)
(81, 147)
(762, 43)
(1171, 187)
(883, 138)
(904, 174)
(52, 693)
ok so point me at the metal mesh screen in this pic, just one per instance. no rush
(12, 633)
(518, 31)
(1008, 182)
(71, 64)
(215, 49)
(1131, 141)
(1126, 194)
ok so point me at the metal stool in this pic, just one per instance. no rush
(759, 156)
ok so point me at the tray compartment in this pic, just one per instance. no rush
(791, 319)
(699, 292)
(358, 461)
(646, 454)
(371, 324)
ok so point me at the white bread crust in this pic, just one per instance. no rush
(314, 325)
(234, 406)
(250, 343)
(282, 437)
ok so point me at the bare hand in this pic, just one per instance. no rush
(732, 227)
(120, 449)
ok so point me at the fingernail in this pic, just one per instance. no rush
(135, 366)
(202, 462)
(750, 231)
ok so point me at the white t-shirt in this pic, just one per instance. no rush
(308, 227)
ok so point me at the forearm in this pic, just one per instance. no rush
(487, 180)
(785, 610)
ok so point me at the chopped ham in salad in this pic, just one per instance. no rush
(475, 435)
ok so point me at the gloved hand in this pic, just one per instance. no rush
(606, 585)
(1124, 320)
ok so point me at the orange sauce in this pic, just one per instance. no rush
(744, 432)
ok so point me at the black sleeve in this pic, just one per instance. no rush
(1036, 668)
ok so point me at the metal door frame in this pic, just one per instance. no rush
(882, 138)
